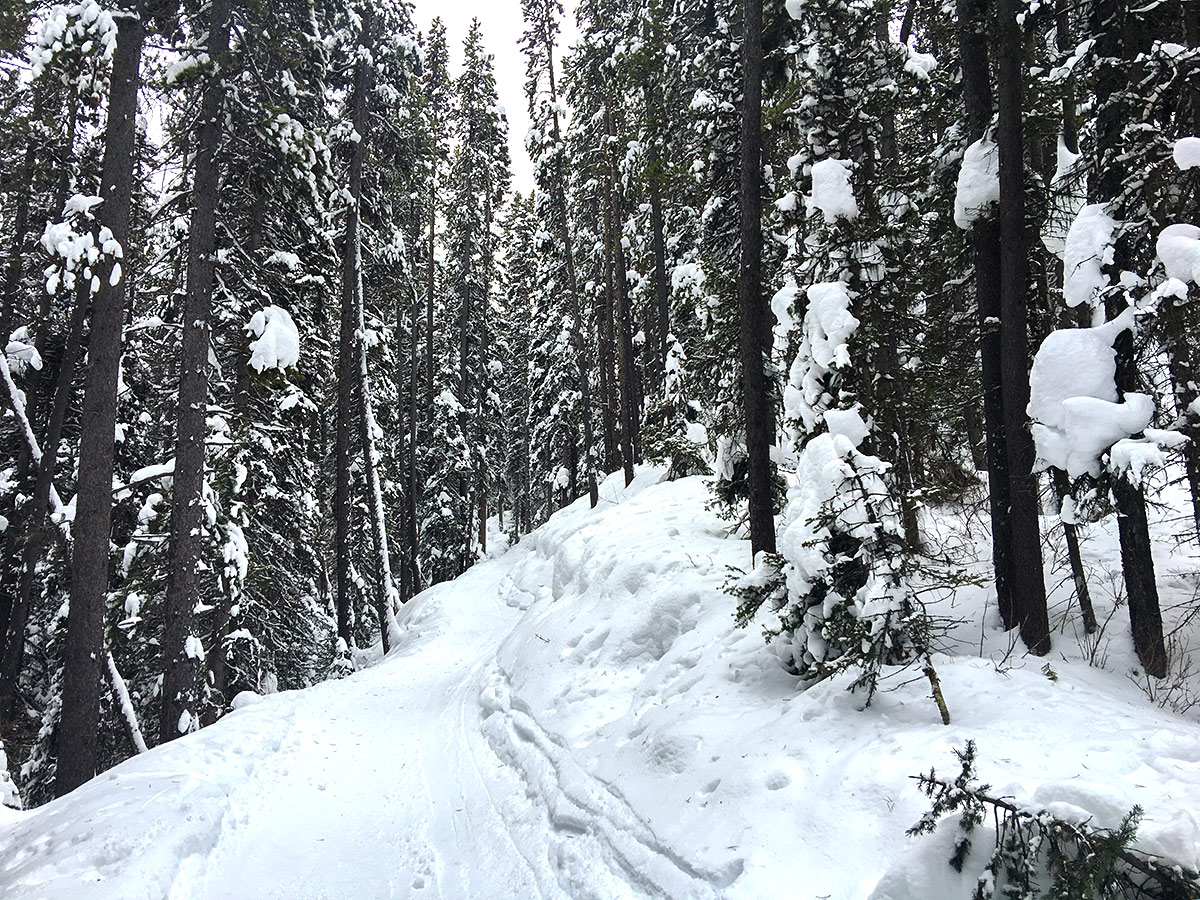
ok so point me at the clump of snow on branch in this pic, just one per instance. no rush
(978, 182)
(77, 39)
(77, 250)
(831, 190)
(1178, 249)
(1076, 412)
(21, 353)
(919, 64)
(1088, 248)
(828, 326)
(1187, 152)
(278, 340)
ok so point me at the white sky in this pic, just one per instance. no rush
(502, 27)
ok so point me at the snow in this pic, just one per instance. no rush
(21, 353)
(1073, 398)
(1178, 248)
(579, 718)
(978, 182)
(831, 190)
(193, 648)
(1187, 152)
(1068, 194)
(288, 260)
(278, 344)
(1088, 247)
(919, 64)
(828, 326)
(781, 308)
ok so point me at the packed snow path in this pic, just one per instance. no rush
(578, 720)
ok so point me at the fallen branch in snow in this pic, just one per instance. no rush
(1036, 848)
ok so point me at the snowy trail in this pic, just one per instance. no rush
(381, 785)
(578, 719)
(374, 791)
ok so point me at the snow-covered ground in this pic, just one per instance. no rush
(578, 718)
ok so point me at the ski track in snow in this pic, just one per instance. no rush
(323, 805)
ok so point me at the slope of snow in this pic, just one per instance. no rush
(579, 718)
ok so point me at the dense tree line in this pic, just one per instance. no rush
(284, 348)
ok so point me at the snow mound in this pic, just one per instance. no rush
(1178, 248)
(1187, 152)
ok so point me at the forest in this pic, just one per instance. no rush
(285, 347)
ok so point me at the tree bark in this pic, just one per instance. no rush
(627, 411)
(1028, 576)
(985, 246)
(751, 307)
(78, 728)
(1120, 35)
(181, 663)
(579, 325)
(661, 286)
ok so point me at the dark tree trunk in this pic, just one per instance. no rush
(351, 337)
(84, 650)
(751, 306)
(430, 295)
(608, 402)
(985, 245)
(662, 294)
(1028, 577)
(975, 439)
(1062, 487)
(1120, 35)
(347, 376)
(579, 329)
(624, 316)
(181, 669)
(412, 578)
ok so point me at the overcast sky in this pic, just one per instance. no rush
(502, 27)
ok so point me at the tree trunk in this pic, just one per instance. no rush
(985, 245)
(1028, 577)
(14, 268)
(182, 663)
(661, 285)
(413, 577)
(78, 730)
(1120, 35)
(608, 402)
(1062, 487)
(627, 413)
(579, 325)
(759, 422)
(347, 372)
(352, 339)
